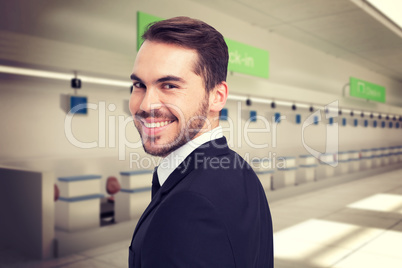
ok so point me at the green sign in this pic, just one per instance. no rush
(242, 58)
(247, 59)
(143, 20)
(366, 90)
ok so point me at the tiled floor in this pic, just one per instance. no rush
(352, 225)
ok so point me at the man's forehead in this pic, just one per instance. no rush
(158, 60)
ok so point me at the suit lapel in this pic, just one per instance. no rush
(209, 149)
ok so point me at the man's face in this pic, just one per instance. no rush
(169, 102)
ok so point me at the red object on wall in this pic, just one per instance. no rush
(112, 185)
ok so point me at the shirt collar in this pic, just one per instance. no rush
(174, 159)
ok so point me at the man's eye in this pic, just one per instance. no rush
(168, 86)
(138, 85)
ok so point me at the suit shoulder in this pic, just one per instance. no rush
(230, 162)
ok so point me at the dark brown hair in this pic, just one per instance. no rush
(194, 34)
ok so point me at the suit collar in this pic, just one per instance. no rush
(212, 148)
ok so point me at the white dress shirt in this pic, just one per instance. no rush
(174, 159)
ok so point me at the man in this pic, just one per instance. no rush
(208, 207)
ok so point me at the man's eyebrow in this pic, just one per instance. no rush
(170, 78)
(167, 78)
(134, 77)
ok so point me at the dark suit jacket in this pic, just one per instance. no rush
(211, 212)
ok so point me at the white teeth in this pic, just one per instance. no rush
(158, 124)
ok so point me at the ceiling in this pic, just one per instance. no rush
(337, 27)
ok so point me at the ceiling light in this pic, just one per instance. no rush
(61, 76)
(390, 9)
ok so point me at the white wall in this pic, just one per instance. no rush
(32, 110)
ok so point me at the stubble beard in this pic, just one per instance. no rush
(195, 124)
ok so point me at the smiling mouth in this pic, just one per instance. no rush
(157, 124)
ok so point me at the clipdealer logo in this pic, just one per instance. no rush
(112, 132)
(332, 133)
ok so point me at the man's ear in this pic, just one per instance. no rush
(218, 97)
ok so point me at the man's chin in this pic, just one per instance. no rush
(160, 150)
(152, 151)
(157, 148)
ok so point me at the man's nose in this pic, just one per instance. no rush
(151, 100)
